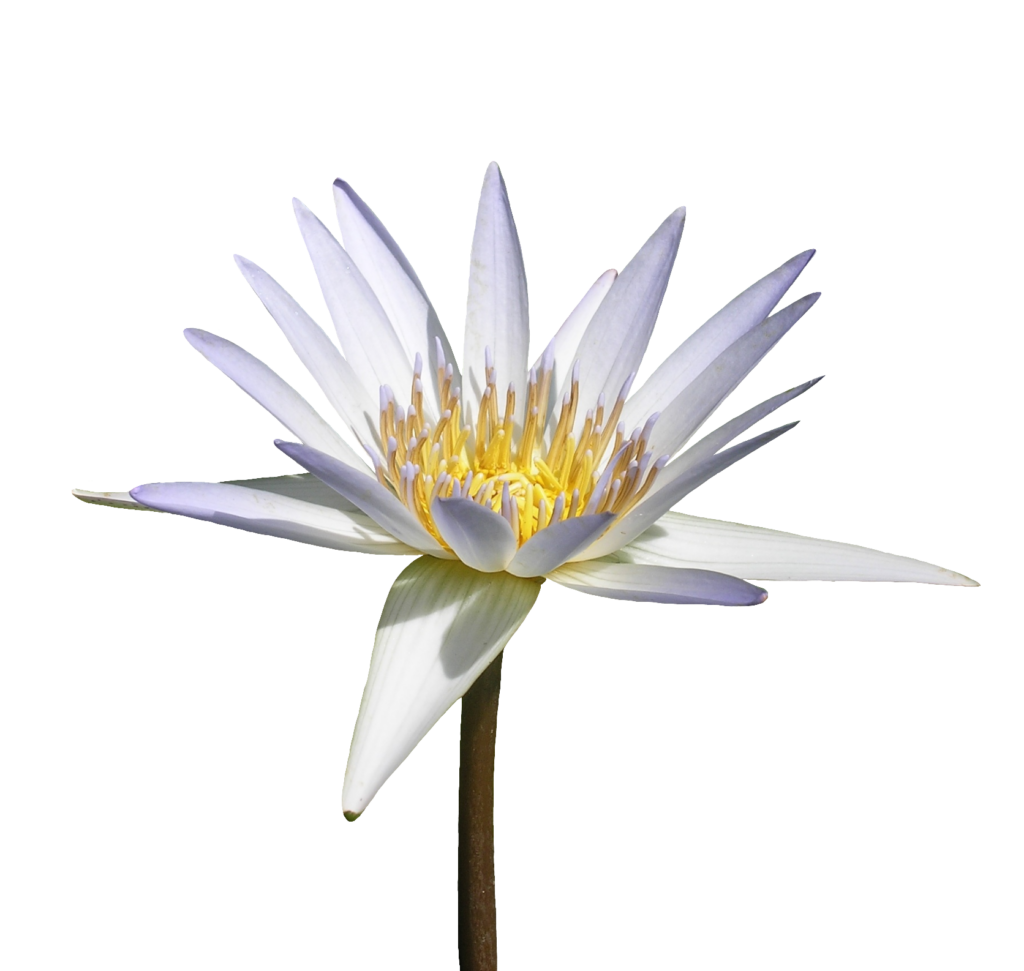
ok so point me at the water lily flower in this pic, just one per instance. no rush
(503, 472)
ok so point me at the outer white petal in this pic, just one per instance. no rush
(276, 395)
(442, 624)
(478, 536)
(625, 581)
(711, 339)
(342, 386)
(366, 334)
(766, 554)
(270, 513)
(561, 350)
(615, 339)
(554, 545)
(366, 493)
(396, 285)
(691, 408)
(651, 509)
(497, 312)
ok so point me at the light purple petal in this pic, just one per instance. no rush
(625, 581)
(552, 546)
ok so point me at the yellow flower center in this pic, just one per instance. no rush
(505, 464)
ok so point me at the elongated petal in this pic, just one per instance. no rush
(396, 285)
(269, 513)
(277, 396)
(478, 536)
(615, 339)
(342, 386)
(691, 408)
(707, 342)
(649, 510)
(677, 540)
(366, 493)
(560, 353)
(497, 312)
(442, 624)
(660, 584)
(721, 436)
(552, 546)
(366, 334)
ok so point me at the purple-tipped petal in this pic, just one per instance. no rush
(478, 536)
(625, 581)
(554, 545)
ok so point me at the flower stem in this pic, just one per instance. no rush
(478, 937)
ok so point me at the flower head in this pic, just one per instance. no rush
(504, 472)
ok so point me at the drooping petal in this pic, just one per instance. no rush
(338, 381)
(497, 312)
(366, 334)
(691, 407)
(396, 285)
(660, 584)
(711, 339)
(271, 514)
(552, 546)
(442, 624)
(366, 493)
(649, 510)
(478, 536)
(677, 540)
(617, 336)
(277, 396)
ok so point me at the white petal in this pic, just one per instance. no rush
(615, 339)
(707, 342)
(552, 546)
(442, 625)
(339, 382)
(270, 513)
(766, 554)
(497, 314)
(691, 408)
(561, 350)
(478, 536)
(396, 285)
(624, 581)
(278, 397)
(366, 493)
(657, 503)
(119, 500)
(366, 334)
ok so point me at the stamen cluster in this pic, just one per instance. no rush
(499, 464)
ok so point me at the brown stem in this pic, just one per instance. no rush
(478, 937)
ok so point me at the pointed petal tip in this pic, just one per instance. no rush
(351, 816)
(493, 170)
(762, 597)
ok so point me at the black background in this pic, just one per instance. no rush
(702, 743)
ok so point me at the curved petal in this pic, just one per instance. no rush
(257, 511)
(497, 312)
(615, 339)
(366, 334)
(691, 408)
(552, 546)
(478, 536)
(766, 554)
(350, 398)
(660, 584)
(651, 509)
(442, 624)
(366, 493)
(276, 395)
(711, 339)
(395, 283)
